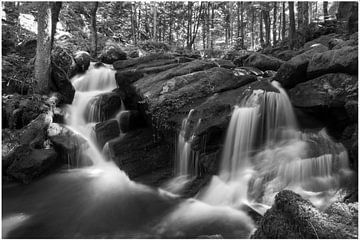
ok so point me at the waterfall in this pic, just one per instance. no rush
(264, 153)
(186, 159)
(88, 86)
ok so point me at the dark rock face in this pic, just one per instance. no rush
(105, 106)
(111, 54)
(350, 140)
(293, 71)
(293, 217)
(121, 64)
(286, 55)
(131, 120)
(106, 131)
(263, 62)
(334, 89)
(80, 64)
(19, 110)
(28, 163)
(60, 70)
(343, 60)
(68, 145)
(137, 153)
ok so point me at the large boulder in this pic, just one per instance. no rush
(111, 54)
(80, 64)
(294, 217)
(330, 98)
(333, 89)
(263, 62)
(350, 140)
(68, 145)
(106, 131)
(137, 153)
(103, 107)
(19, 110)
(28, 163)
(293, 71)
(130, 120)
(121, 64)
(343, 60)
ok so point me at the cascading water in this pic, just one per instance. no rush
(264, 153)
(100, 201)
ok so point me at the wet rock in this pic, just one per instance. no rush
(111, 54)
(334, 89)
(335, 41)
(294, 71)
(103, 107)
(131, 120)
(246, 71)
(81, 63)
(237, 57)
(323, 40)
(263, 62)
(137, 153)
(28, 163)
(68, 145)
(106, 131)
(10, 140)
(351, 108)
(343, 60)
(269, 74)
(350, 140)
(286, 55)
(293, 217)
(34, 133)
(121, 64)
(224, 63)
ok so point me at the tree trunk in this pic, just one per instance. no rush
(154, 21)
(252, 30)
(196, 27)
(299, 15)
(306, 13)
(43, 47)
(292, 25)
(212, 24)
(261, 29)
(325, 8)
(242, 25)
(274, 23)
(267, 25)
(208, 34)
(283, 22)
(94, 30)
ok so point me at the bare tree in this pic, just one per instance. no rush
(93, 29)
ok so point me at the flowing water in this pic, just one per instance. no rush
(264, 153)
(100, 201)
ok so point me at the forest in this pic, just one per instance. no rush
(180, 119)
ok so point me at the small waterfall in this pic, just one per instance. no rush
(88, 86)
(264, 153)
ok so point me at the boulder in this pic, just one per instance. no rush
(323, 40)
(333, 90)
(68, 145)
(10, 140)
(131, 120)
(121, 64)
(286, 55)
(28, 163)
(111, 54)
(20, 110)
(343, 60)
(263, 62)
(103, 107)
(80, 64)
(248, 71)
(294, 217)
(106, 131)
(293, 71)
(137, 153)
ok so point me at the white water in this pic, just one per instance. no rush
(264, 153)
(101, 202)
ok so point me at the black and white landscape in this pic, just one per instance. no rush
(180, 119)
